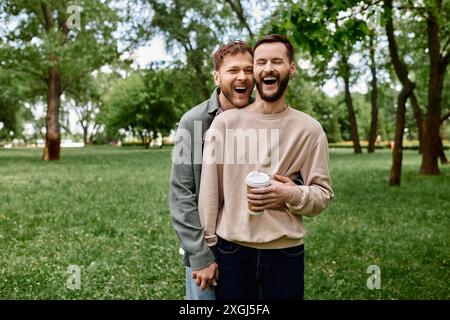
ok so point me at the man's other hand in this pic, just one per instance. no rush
(206, 277)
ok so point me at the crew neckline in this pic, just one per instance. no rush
(269, 116)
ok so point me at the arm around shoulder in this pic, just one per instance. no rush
(183, 200)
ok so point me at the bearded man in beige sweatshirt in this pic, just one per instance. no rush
(262, 256)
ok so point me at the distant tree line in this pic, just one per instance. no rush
(72, 60)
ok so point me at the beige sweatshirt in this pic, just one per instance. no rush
(240, 141)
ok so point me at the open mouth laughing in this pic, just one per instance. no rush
(240, 89)
(269, 80)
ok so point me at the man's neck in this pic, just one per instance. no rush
(224, 104)
(262, 106)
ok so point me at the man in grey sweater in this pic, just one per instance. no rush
(233, 76)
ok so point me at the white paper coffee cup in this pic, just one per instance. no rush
(256, 179)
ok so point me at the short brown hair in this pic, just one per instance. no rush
(271, 38)
(230, 48)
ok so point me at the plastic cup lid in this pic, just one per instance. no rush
(257, 179)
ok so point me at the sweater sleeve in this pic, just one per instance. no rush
(183, 203)
(211, 190)
(315, 196)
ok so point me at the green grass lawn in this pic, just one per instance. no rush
(105, 210)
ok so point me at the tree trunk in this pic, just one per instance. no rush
(351, 115)
(407, 89)
(441, 152)
(237, 8)
(419, 120)
(93, 132)
(397, 153)
(445, 117)
(85, 135)
(53, 135)
(430, 153)
(442, 155)
(373, 97)
(145, 142)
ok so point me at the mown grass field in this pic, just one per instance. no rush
(105, 210)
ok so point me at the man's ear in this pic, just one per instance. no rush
(292, 69)
(217, 78)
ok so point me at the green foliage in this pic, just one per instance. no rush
(324, 32)
(387, 107)
(9, 106)
(143, 103)
(124, 102)
(304, 96)
(87, 99)
(14, 91)
(362, 108)
(412, 40)
(36, 36)
(327, 33)
(76, 52)
(318, 28)
(193, 28)
(160, 102)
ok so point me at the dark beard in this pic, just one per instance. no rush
(277, 95)
(228, 93)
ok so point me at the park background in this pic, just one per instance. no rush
(90, 96)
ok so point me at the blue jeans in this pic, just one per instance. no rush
(256, 274)
(194, 292)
